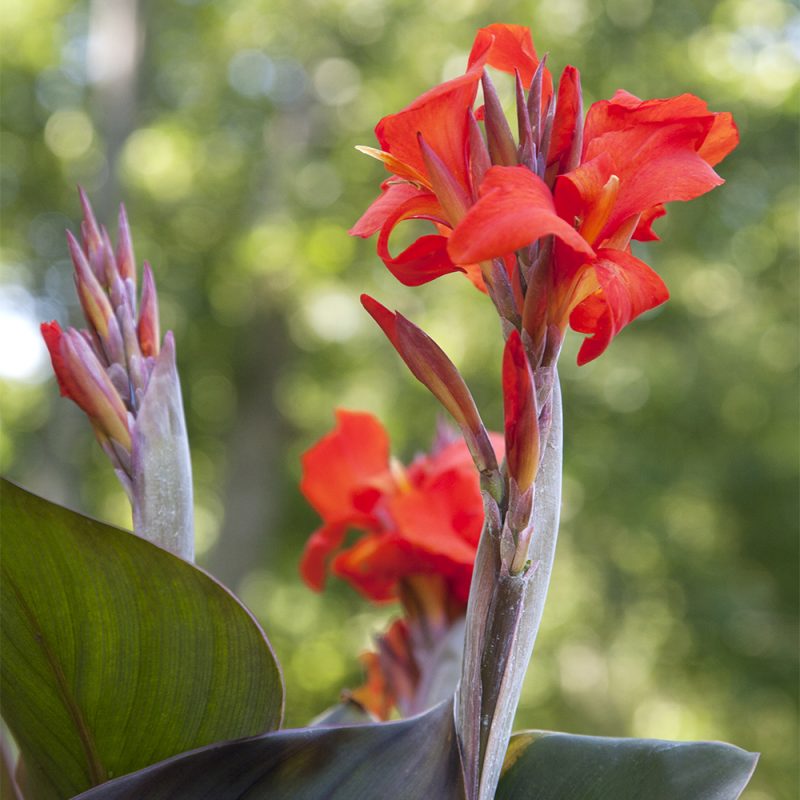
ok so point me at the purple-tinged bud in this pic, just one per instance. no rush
(148, 327)
(92, 239)
(479, 160)
(93, 390)
(521, 414)
(433, 369)
(126, 263)
(448, 191)
(502, 149)
(94, 300)
(535, 101)
(527, 146)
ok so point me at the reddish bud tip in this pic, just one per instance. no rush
(148, 329)
(521, 414)
(52, 333)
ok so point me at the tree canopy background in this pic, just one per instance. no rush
(228, 130)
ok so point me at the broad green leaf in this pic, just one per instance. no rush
(415, 759)
(541, 765)
(116, 654)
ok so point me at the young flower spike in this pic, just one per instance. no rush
(127, 384)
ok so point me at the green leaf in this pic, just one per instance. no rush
(116, 654)
(409, 760)
(563, 766)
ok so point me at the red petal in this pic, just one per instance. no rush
(722, 138)
(644, 230)
(515, 209)
(394, 194)
(507, 48)
(628, 287)
(314, 563)
(427, 258)
(441, 116)
(341, 466)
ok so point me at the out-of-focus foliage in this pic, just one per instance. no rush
(228, 128)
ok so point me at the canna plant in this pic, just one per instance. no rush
(128, 672)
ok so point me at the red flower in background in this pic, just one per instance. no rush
(422, 519)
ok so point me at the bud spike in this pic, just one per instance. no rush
(502, 149)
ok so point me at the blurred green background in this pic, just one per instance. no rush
(228, 129)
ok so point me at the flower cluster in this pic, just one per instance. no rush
(419, 530)
(421, 519)
(543, 224)
(568, 198)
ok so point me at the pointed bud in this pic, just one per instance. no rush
(91, 388)
(126, 262)
(148, 328)
(501, 142)
(94, 300)
(521, 414)
(448, 191)
(479, 160)
(535, 97)
(566, 141)
(527, 146)
(534, 310)
(434, 370)
(52, 333)
(92, 239)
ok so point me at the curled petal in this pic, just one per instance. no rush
(427, 258)
(627, 288)
(314, 562)
(394, 195)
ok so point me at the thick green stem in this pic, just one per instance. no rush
(503, 619)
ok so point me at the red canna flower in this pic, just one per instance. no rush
(431, 149)
(422, 519)
(637, 155)
(594, 186)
